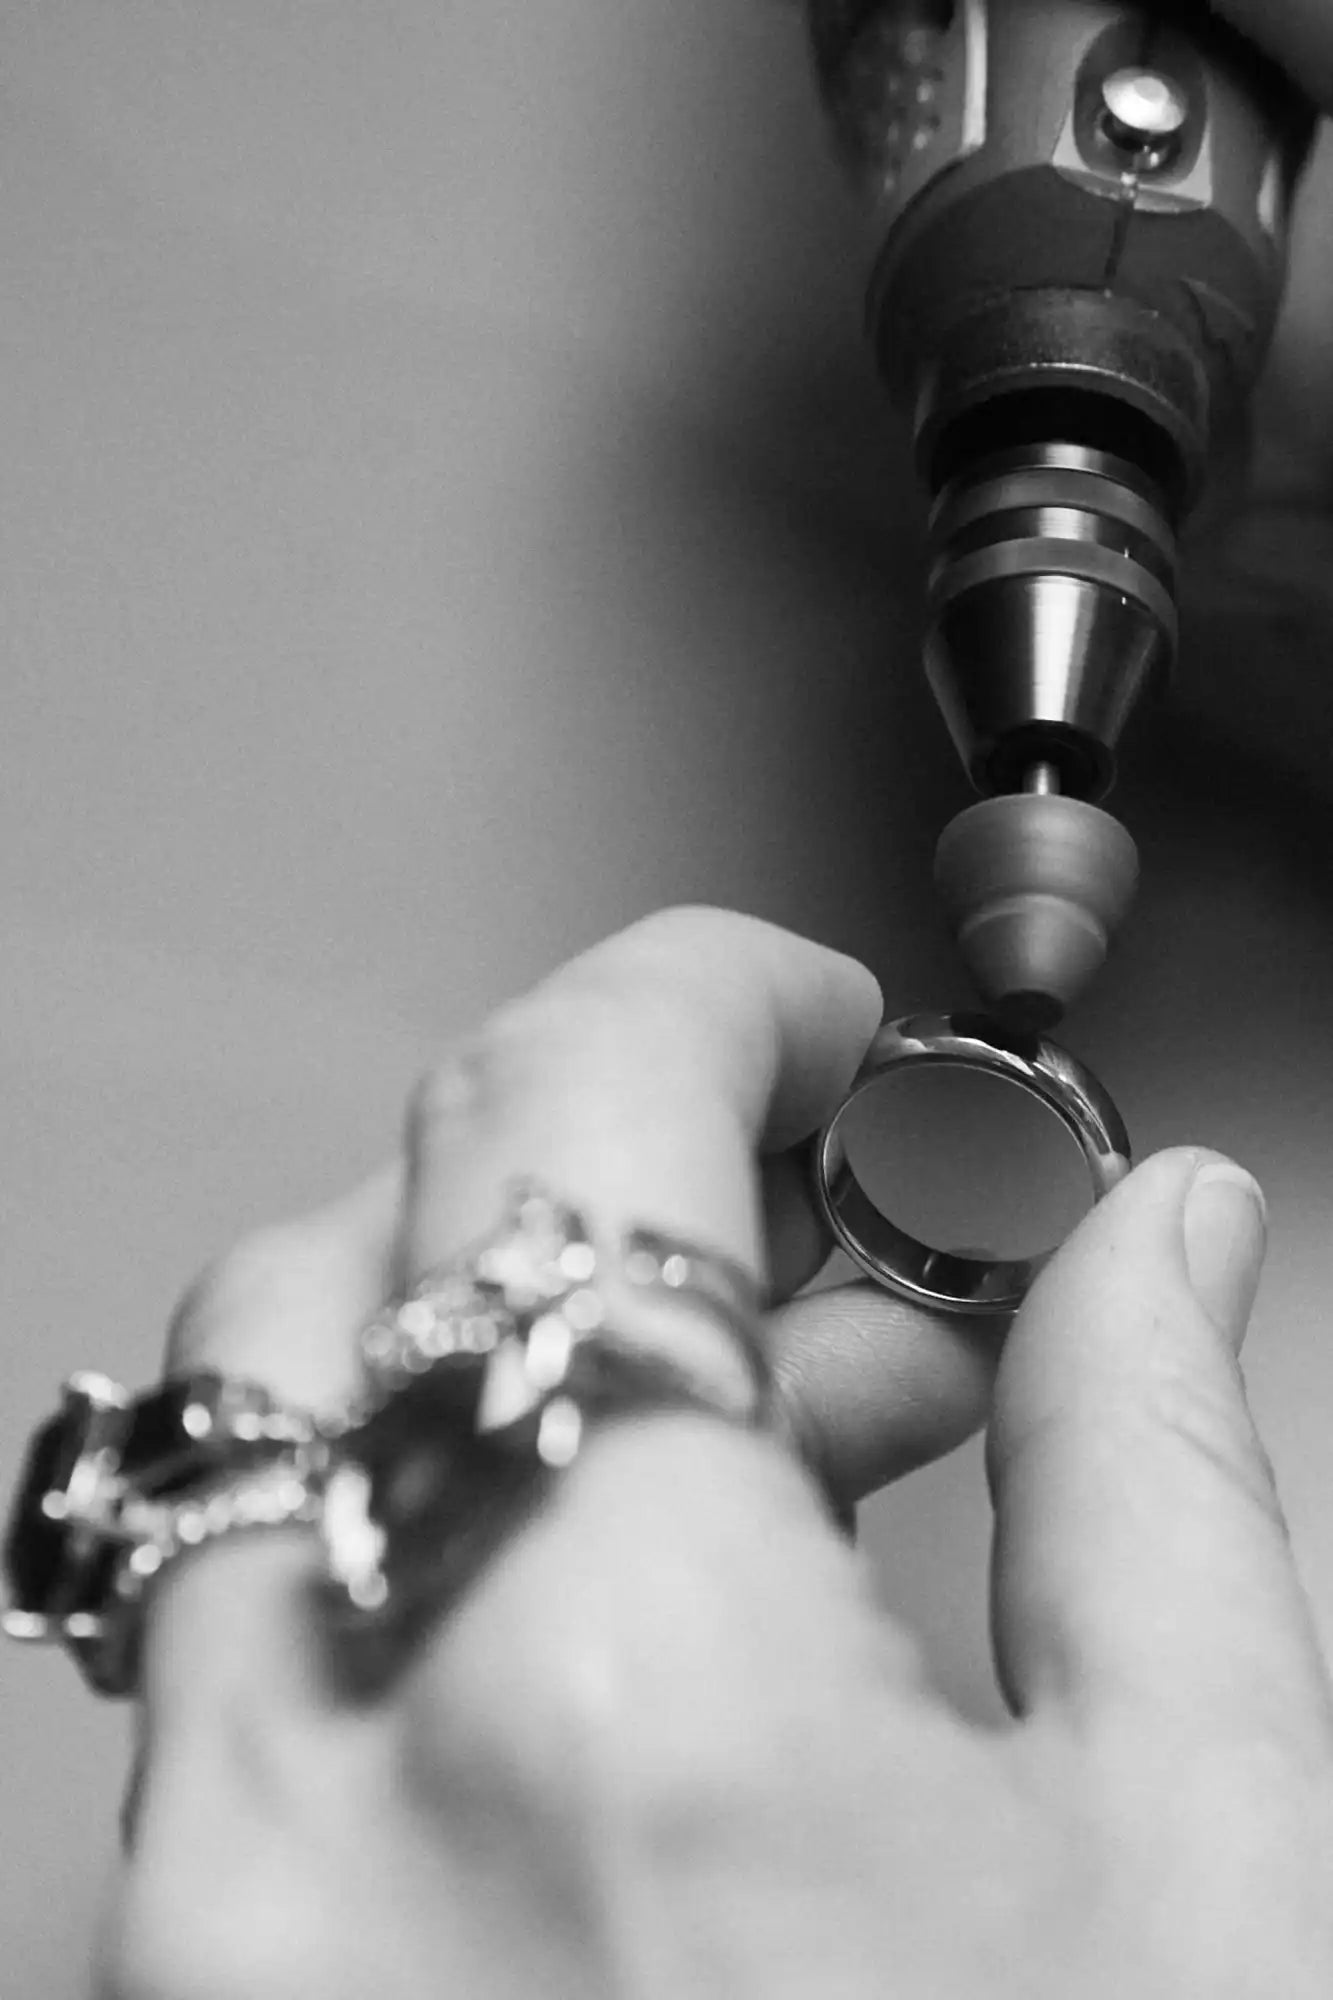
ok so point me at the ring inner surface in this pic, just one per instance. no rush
(1023, 1168)
(915, 1266)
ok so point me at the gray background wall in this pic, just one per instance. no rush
(444, 513)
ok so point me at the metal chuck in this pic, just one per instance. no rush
(1035, 886)
(1051, 615)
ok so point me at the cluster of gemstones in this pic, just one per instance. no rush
(494, 1348)
(478, 1386)
(113, 1485)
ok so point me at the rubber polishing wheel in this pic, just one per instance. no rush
(1035, 886)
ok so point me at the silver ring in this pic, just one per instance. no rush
(542, 1267)
(484, 1383)
(115, 1487)
(888, 1254)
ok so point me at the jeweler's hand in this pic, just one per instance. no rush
(667, 1744)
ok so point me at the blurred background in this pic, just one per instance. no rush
(445, 512)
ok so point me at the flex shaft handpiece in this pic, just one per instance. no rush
(1080, 214)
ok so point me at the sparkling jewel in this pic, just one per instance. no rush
(526, 1261)
(378, 1341)
(354, 1542)
(584, 1310)
(547, 1349)
(508, 1392)
(417, 1318)
(560, 1432)
(52, 1562)
(578, 1261)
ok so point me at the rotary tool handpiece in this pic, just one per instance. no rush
(1079, 210)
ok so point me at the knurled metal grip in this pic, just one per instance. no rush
(994, 141)
(1079, 211)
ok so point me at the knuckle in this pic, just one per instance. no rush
(585, 1020)
(456, 1091)
(655, 983)
(231, 1285)
(481, 1076)
(711, 1777)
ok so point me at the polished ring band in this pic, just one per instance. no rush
(888, 1254)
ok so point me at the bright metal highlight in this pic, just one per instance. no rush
(888, 1254)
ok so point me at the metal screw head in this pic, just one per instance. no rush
(1145, 111)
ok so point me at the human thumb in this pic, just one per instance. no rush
(1140, 1555)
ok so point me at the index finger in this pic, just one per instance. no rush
(643, 1079)
(680, 1598)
